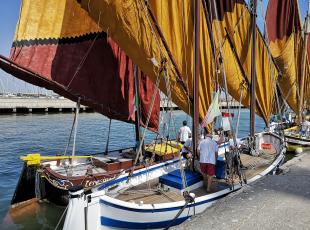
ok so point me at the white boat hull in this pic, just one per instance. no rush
(105, 212)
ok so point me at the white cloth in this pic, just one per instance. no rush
(184, 133)
(207, 148)
(213, 111)
(226, 123)
(187, 145)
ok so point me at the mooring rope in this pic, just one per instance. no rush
(61, 218)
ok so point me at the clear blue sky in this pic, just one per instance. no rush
(9, 11)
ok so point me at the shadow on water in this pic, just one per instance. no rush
(38, 215)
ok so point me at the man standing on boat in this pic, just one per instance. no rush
(184, 133)
(208, 152)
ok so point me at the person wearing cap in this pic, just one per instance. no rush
(208, 152)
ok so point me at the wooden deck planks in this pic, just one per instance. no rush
(147, 193)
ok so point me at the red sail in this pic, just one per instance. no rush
(79, 61)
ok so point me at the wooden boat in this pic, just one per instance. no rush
(297, 140)
(146, 201)
(165, 195)
(95, 73)
(51, 177)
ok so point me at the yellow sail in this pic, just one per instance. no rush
(232, 20)
(130, 24)
(284, 32)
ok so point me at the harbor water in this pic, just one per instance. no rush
(48, 134)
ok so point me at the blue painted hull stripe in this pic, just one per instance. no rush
(134, 225)
(160, 209)
(116, 181)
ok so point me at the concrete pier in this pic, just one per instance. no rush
(49, 104)
(34, 105)
(274, 202)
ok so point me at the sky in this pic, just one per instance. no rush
(9, 11)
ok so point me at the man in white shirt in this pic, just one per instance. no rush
(184, 133)
(207, 151)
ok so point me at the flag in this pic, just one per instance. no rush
(213, 111)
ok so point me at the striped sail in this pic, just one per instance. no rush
(69, 53)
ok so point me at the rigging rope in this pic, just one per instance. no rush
(62, 216)
(238, 117)
(139, 152)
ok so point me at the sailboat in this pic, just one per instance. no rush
(52, 49)
(290, 46)
(164, 35)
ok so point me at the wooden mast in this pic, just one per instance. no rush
(253, 71)
(303, 65)
(137, 107)
(196, 76)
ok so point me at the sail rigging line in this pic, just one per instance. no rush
(186, 64)
(271, 59)
(169, 102)
(82, 61)
(108, 138)
(61, 217)
(139, 155)
(208, 18)
(235, 27)
(239, 64)
(221, 61)
(289, 92)
(239, 109)
(304, 62)
(77, 110)
(165, 44)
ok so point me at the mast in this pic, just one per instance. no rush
(253, 71)
(304, 61)
(196, 76)
(137, 105)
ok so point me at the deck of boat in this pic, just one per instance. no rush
(149, 193)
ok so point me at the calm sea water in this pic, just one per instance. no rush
(48, 134)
